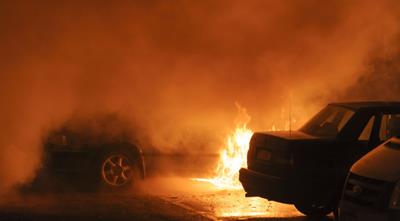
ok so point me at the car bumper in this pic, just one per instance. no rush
(349, 211)
(266, 186)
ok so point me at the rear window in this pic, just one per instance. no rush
(328, 122)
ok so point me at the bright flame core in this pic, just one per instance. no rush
(233, 158)
(234, 155)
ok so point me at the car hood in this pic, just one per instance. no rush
(382, 163)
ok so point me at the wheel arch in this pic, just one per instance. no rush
(133, 150)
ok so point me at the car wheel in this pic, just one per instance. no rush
(313, 210)
(118, 170)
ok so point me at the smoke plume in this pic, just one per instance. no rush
(176, 69)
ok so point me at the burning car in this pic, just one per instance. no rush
(308, 167)
(372, 189)
(98, 149)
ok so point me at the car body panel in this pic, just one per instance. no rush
(381, 163)
(77, 145)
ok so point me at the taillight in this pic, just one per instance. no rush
(263, 155)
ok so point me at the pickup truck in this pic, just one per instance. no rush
(308, 167)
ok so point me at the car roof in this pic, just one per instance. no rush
(370, 105)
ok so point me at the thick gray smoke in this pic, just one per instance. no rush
(177, 69)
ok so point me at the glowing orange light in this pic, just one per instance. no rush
(234, 155)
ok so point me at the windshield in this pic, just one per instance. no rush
(328, 122)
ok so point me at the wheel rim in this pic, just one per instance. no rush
(117, 170)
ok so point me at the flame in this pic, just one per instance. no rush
(234, 155)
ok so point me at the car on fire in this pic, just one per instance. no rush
(98, 149)
(308, 167)
(372, 189)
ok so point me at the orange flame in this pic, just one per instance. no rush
(234, 155)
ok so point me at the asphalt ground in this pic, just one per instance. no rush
(159, 198)
(224, 204)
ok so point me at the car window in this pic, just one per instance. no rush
(345, 118)
(366, 133)
(328, 122)
(390, 126)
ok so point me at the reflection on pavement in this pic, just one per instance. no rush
(206, 199)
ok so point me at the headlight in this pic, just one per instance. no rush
(395, 200)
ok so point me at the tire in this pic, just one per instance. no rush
(313, 210)
(118, 170)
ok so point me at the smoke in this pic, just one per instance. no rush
(177, 69)
(379, 81)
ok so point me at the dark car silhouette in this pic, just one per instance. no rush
(308, 167)
(99, 149)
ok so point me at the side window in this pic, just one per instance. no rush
(390, 126)
(366, 133)
(346, 117)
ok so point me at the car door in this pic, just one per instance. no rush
(380, 127)
(369, 138)
(365, 132)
